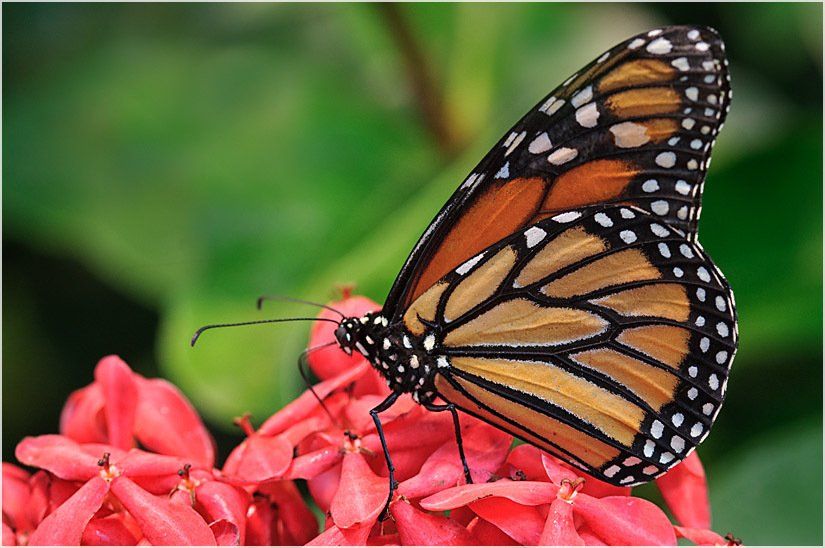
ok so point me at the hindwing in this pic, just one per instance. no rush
(602, 335)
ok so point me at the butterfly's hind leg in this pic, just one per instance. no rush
(381, 407)
(458, 439)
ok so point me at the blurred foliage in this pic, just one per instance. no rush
(165, 164)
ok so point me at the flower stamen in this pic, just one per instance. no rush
(245, 424)
(107, 470)
(568, 489)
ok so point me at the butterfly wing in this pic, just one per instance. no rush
(602, 336)
(635, 126)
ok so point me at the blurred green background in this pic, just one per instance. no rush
(166, 164)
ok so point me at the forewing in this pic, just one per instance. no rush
(635, 126)
(603, 336)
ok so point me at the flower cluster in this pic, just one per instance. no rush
(134, 464)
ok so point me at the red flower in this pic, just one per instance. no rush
(121, 406)
(95, 488)
(685, 491)
(329, 361)
(27, 500)
(118, 481)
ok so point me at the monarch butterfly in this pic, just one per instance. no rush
(561, 293)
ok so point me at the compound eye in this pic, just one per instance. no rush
(341, 335)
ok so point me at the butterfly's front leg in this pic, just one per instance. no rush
(451, 408)
(381, 407)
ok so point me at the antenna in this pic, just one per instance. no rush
(264, 298)
(198, 333)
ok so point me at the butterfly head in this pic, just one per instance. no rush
(344, 334)
(357, 333)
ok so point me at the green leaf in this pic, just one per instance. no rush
(770, 491)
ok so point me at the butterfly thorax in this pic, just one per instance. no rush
(406, 361)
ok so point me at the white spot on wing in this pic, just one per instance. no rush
(603, 220)
(463, 269)
(660, 207)
(515, 143)
(660, 46)
(629, 135)
(567, 216)
(534, 235)
(682, 187)
(588, 115)
(551, 106)
(651, 185)
(540, 144)
(681, 63)
(562, 156)
(666, 159)
(627, 236)
(656, 429)
(582, 97)
(635, 44)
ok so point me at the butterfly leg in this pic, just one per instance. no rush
(383, 406)
(459, 441)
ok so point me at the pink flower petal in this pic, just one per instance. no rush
(391, 539)
(297, 433)
(83, 418)
(488, 534)
(47, 493)
(685, 491)
(528, 493)
(330, 361)
(59, 455)
(260, 523)
(627, 521)
(312, 464)
(167, 423)
(336, 536)
(589, 537)
(523, 524)
(161, 520)
(412, 430)
(117, 382)
(358, 411)
(109, 531)
(485, 448)
(9, 538)
(559, 529)
(259, 459)
(223, 502)
(361, 494)
(700, 537)
(12, 472)
(306, 403)
(298, 523)
(557, 471)
(417, 528)
(16, 495)
(526, 461)
(226, 533)
(65, 525)
(139, 463)
(323, 487)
